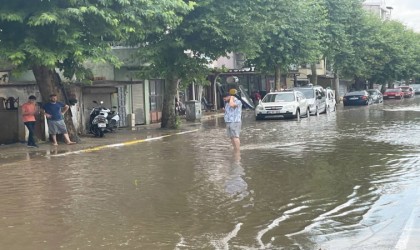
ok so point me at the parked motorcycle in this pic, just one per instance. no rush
(102, 120)
(113, 118)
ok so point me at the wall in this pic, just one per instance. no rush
(101, 71)
(228, 62)
(21, 91)
(10, 130)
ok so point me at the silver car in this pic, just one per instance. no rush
(376, 95)
(284, 104)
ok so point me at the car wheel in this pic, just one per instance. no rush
(297, 115)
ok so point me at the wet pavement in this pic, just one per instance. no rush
(346, 180)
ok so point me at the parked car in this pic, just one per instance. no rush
(361, 97)
(408, 91)
(330, 101)
(287, 104)
(376, 95)
(393, 94)
(316, 98)
(416, 88)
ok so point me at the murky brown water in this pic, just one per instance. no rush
(343, 181)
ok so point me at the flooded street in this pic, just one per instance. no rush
(346, 180)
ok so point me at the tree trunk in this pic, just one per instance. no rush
(168, 112)
(337, 86)
(277, 77)
(48, 83)
(314, 76)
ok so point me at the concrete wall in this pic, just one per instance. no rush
(228, 62)
(11, 130)
(101, 71)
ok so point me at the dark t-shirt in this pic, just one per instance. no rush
(54, 109)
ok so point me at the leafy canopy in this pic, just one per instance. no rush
(66, 33)
(291, 34)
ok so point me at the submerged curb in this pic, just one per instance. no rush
(122, 144)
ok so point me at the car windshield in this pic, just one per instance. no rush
(308, 93)
(280, 97)
(392, 90)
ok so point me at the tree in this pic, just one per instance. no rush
(292, 35)
(343, 30)
(45, 35)
(213, 28)
(386, 51)
(399, 59)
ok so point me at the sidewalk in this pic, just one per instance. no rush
(19, 151)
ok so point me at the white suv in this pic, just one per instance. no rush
(288, 103)
(316, 99)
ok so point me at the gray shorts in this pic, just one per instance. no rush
(56, 127)
(233, 129)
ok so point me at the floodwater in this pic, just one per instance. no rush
(346, 180)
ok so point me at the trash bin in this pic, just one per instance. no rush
(193, 110)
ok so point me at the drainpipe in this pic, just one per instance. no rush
(193, 91)
(215, 91)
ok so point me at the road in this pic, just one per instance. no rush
(346, 180)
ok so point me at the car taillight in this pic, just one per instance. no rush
(364, 97)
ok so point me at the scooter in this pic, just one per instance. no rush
(102, 120)
(113, 119)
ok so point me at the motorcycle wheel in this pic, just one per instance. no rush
(98, 132)
(112, 125)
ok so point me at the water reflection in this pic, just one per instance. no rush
(340, 181)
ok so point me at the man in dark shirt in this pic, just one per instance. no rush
(54, 111)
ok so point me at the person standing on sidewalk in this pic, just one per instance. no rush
(29, 110)
(233, 118)
(54, 111)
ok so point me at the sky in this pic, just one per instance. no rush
(406, 11)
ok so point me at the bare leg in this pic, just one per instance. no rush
(54, 138)
(237, 156)
(236, 143)
(67, 138)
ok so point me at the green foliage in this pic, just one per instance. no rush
(292, 34)
(209, 30)
(178, 122)
(362, 46)
(66, 33)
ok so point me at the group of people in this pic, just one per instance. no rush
(54, 112)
